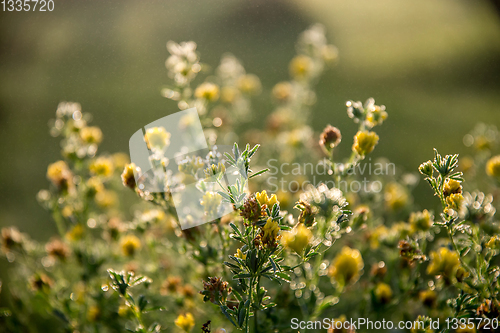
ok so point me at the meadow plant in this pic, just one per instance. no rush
(122, 262)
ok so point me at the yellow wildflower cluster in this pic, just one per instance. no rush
(493, 167)
(428, 297)
(444, 262)
(215, 170)
(185, 322)
(264, 199)
(421, 221)
(269, 233)
(297, 239)
(60, 175)
(301, 67)
(130, 244)
(191, 164)
(452, 192)
(128, 177)
(365, 142)
(208, 91)
(396, 196)
(282, 91)
(211, 202)
(347, 266)
(376, 115)
(383, 293)
(102, 166)
(249, 84)
(157, 138)
(91, 134)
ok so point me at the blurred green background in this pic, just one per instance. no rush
(435, 64)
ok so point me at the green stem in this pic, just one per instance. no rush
(450, 235)
(249, 298)
(255, 321)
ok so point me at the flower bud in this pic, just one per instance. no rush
(297, 239)
(364, 142)
(330, 138)
(426, 168)
(493, 167)
(452, 186)
(383, 293)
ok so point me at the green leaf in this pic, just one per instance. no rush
(142, 302)
(258, 173)
(285, 277)
(242, 276)
(224, 309)
(242, 310)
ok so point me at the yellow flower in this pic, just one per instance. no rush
(364, 142)
(301, 66)
(376, 116)
(264, 199)
(75, 233)
(297, 239)
(282, 91)
(240, 255)
(106, 198)
(455, 201)
(191, 165)
(443, 262)
(377, 235)
(270, 232)
(347, 266)
(421, 221)
(401, 230)
(59, 174)
(249, 84)
(208, 91)
(128, 177)
(91, 134)
(482, 143)
(94, 186)
(383, 293)
(102, 166)
(67, 211)
(157, 138)
(153, 216)
(185, 322)
(493, 167)
(11, 238)
(211, 202)
(395, 196)
(130, 244)
(452, 186)
(428, 297)
(493, 243)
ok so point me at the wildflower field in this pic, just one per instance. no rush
(314, 232)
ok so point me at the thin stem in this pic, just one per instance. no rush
(249, 298)
(450, 235)
(255, 321)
